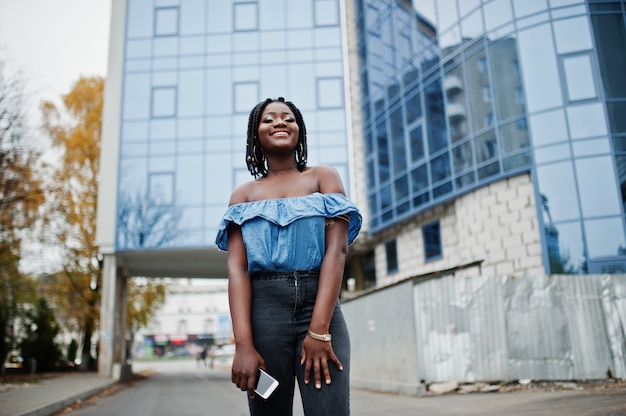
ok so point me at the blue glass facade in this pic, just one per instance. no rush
(193, 69)
(460, 94)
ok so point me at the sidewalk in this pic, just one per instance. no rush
(49, 395)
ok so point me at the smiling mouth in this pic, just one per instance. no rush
(280, 133)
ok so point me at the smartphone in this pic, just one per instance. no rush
(265, 384)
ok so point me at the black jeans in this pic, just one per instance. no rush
(282, 306)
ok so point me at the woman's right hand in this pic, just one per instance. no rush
(246, 364)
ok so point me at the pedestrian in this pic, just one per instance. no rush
(287, 234)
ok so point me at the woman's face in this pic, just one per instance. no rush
(278, 129)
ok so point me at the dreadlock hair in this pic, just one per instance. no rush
(255, 158)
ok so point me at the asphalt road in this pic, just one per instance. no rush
(180, 388)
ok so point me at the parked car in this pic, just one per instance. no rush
(178, 352)
(14, 360)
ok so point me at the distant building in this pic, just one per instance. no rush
(195, 316)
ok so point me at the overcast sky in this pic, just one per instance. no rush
(55, 42)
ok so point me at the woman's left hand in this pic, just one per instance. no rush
(315, 356)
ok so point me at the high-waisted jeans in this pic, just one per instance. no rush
(282, 306)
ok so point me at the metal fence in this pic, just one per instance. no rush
(469, 329)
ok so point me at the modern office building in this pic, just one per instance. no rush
(480, 137)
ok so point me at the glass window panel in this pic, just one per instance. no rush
(486, 147)
(132, 150)
(605, 237)
(190, 146)
(166, 21)
(579, 78)
(435, 117)
(514, 136)
(391, 256)
(549, 127)
(440, 168)
(245, 95)
(539, 68)
(134, 131)
(190, 94)
(419, 179)
(164, 79)
(163, 64)
(508, 87)
(219, 92)
(569, 11)
(524, 7)
(591, 147)
(301, 85)
(161, 129)
(456, 108)
(616, 112)
(463, 157)
(162, 148)
(190, 128)
(397, 141)
(610, 36)
(161, 188)
(586, 121)
(468, 5)
(245, 15)
(327, 37)
(136, 101)
(416, 137)
(552, 153)
(479, 90)
(431, 236)
(189, 178)
(191, 45)
(166, 46)
(138, 49)
(560, 194)
(192, 14)
(164, 102)
(330, 93)
(597, 187)
(299, 14)
(497, 13)
(326, 13)
(139, 18)
(572, 35)
(448, 14)
(401, 186)
(565, 247)
(219, 16)
(191, 62)
(472, 25)
(561, 3)
(518, 161)
(161, 164)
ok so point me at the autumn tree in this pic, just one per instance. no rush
(145, 297)
(71, 217)
(71, 208)
(21, 195)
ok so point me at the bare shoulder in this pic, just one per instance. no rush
(328, 179)
(240, 194)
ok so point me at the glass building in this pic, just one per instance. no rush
(188, 72)
(457, 96)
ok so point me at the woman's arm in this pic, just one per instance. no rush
(247, 360)
(315, 353)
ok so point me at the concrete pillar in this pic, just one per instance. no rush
(112, 352)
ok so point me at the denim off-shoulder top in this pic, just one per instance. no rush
(287, 234)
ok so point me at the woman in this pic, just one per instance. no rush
(287, 234)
